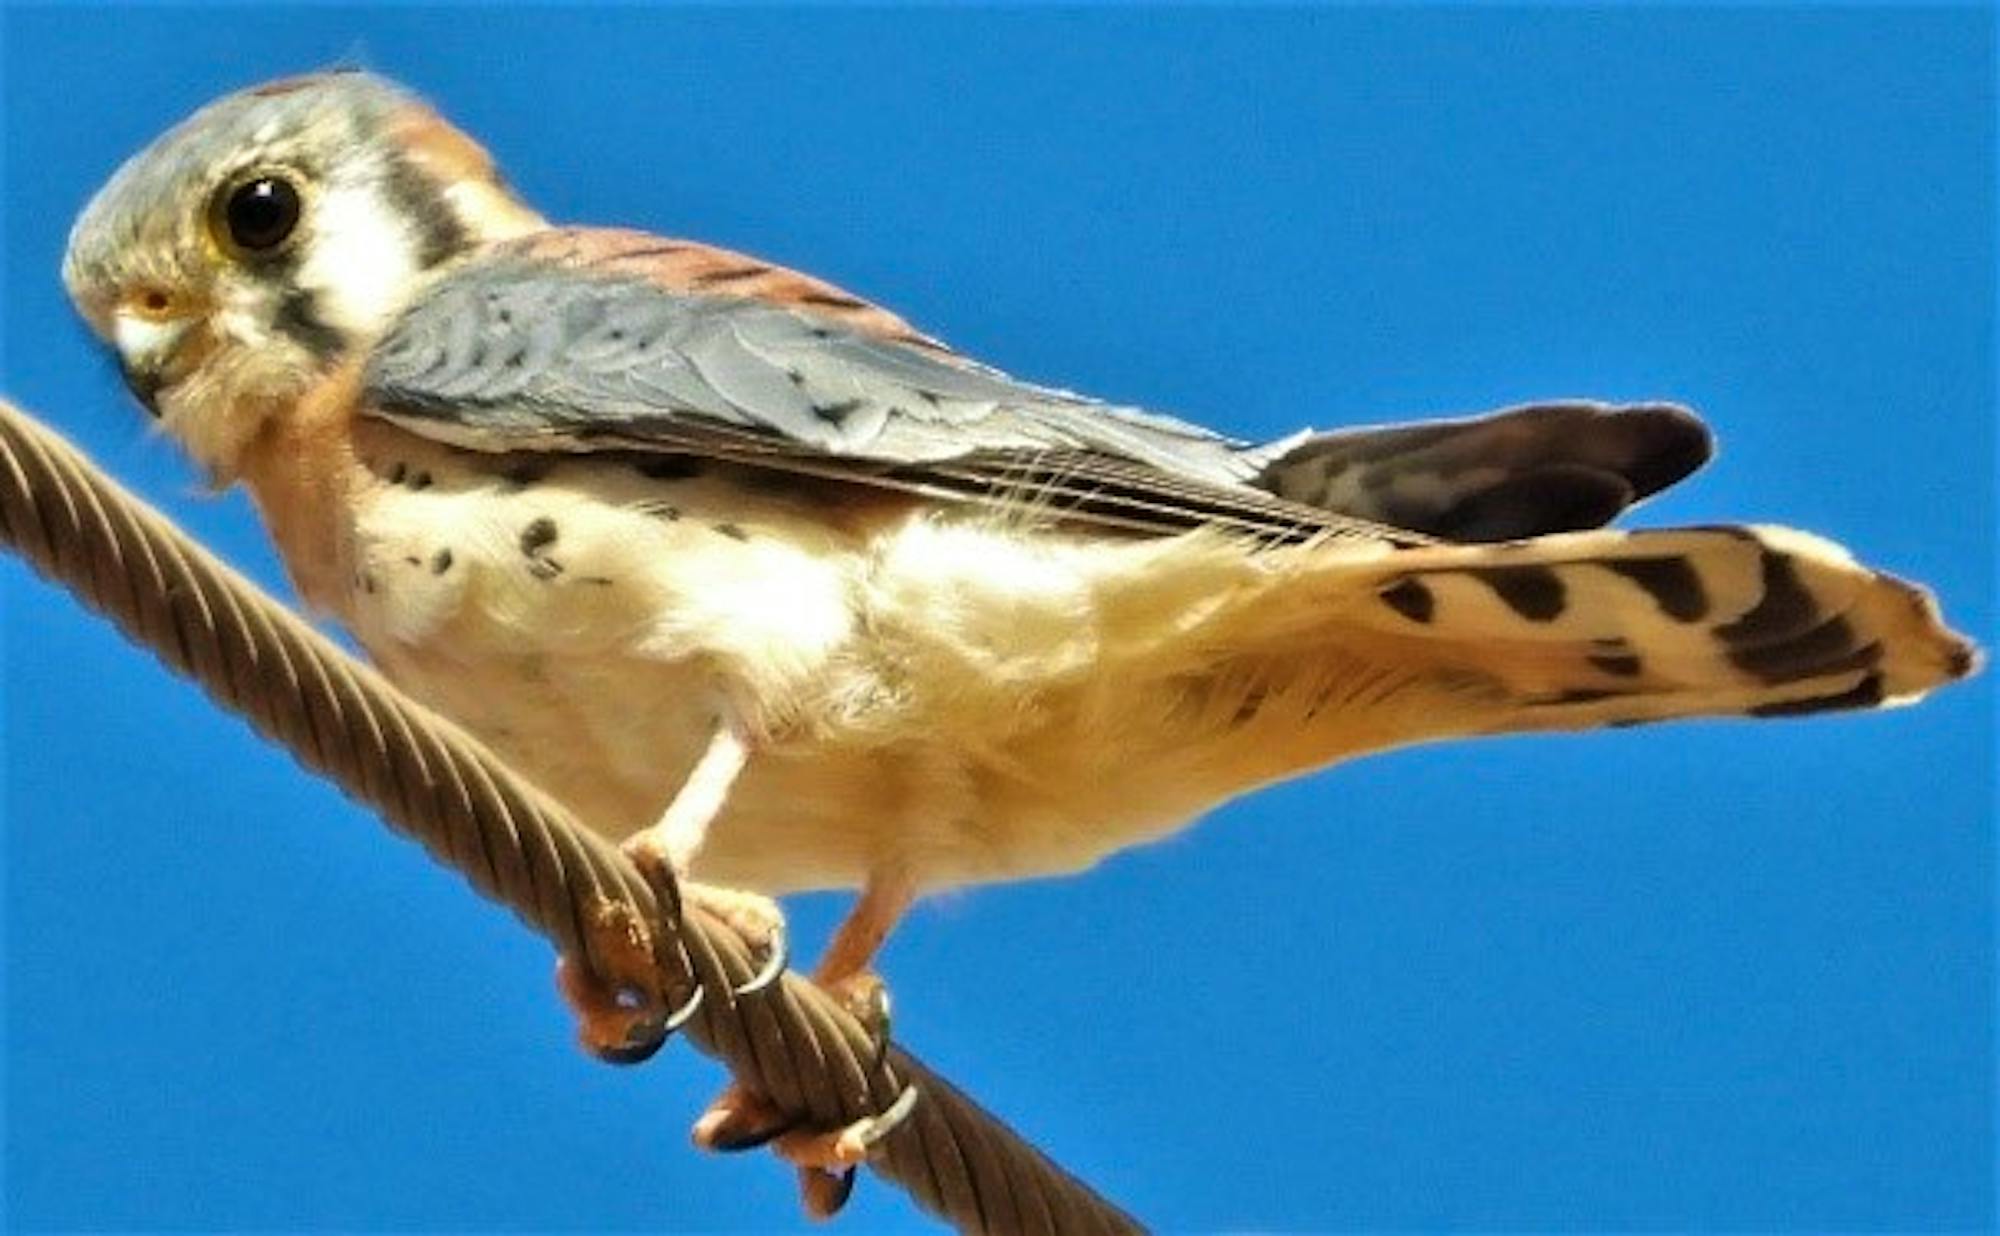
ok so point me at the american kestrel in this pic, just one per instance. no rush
(784, 594)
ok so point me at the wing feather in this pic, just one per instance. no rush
(514, 351)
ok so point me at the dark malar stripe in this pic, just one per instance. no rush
(299, 320)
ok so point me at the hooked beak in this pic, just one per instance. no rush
(146, 351)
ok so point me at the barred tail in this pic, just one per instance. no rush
(1616, 628)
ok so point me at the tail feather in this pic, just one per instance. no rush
(1611, 628)
(1220, 670)
(1527, 471)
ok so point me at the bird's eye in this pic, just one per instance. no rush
(259, 215)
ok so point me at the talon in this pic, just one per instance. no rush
(831, 1150)
(866, 998)
(777, 954)
(682, 1015)
(729, 1141)
(824, 1193)
(621, 1026)
(642, 1042)
(754, 918)
(867, 1135)
(891, 1117)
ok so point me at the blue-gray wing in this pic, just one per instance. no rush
(514, 354)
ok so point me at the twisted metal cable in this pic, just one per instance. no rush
(434, 783)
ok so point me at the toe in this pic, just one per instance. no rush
(756, 919)
(739, 1119)
(615, 1028)
(836, 1149)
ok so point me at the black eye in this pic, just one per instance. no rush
(260, 214)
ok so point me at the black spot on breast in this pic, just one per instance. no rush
(1671, 582)
(398, 472)
(525, 471)
(441, 562)
(421, 480)
(1410, 599)
(734, 532)
(544, 568)
(1533, 592)
(1865, 694)
(1784, 609)
(660, 510)
(538, 535)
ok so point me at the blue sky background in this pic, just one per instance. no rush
(1710, 975)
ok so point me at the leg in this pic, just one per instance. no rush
(883, 901)
(627, 1026)
(677, 836)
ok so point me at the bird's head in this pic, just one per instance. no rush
(249, 250)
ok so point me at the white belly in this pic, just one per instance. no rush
(955, 699)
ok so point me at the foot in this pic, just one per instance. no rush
(755, 919)
(625, 1015)
(615, 1024)
(741, 1119)
(826, 1160)
(866, 998)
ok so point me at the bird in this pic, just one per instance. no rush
(781, 593)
